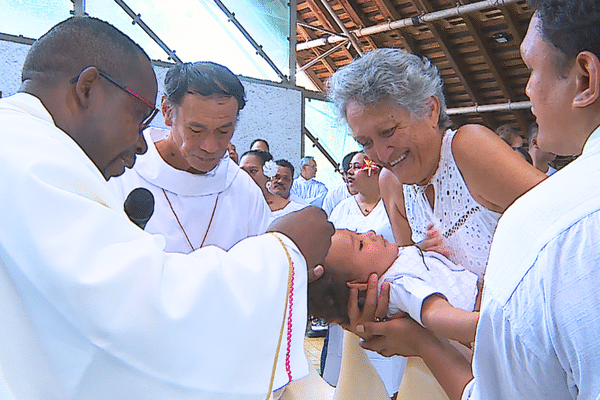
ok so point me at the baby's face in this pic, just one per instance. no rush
(356, 256)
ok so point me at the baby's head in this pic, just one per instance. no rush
(352, 257)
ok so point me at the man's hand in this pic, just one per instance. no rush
(309, 229)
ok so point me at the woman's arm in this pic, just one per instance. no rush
(495, 174)
(392, 195)
(447, 321)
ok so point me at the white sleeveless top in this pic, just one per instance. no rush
(466, 225)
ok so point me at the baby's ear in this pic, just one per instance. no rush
(357, 285)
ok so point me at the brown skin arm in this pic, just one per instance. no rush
(403, 336)
(447, 321)
(495, 174)
(393, 199)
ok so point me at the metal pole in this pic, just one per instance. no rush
(450, 12)
(342, 27)
(292, 41)
(318, 58)
(257, 47)
(78, 8)
(138, 20)
(510, 106)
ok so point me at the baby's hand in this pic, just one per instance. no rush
(434, 241)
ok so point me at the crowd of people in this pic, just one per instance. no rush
(444, 243)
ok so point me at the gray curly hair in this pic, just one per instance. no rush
(389, 73)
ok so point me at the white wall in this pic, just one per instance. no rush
(272, 112)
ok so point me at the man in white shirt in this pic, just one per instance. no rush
(281, 183)
(92, 307)
(539, 326)
(198, 190)
(306, 186)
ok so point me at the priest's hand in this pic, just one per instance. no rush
(309, 229)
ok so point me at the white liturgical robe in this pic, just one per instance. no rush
(93, 308)
(240, 210)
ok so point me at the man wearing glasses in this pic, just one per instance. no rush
(201, 196)
(91, 306)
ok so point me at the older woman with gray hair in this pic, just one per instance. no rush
(446, 186)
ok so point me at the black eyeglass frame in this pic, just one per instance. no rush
(146, 122)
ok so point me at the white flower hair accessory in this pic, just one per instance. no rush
(270, 169)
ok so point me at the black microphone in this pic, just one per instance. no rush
(139, 206)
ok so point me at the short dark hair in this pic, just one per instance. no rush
(571, 26)
(328, 298)
(260, 140)
(507, 133)
(203, 77)
(346, 160)
(287, 164)
(264, 156)
(79, 42)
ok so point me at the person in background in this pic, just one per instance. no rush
(342, 191)
(260, 166)
(281, 183)
(92, 307)
(514, 139)
(541, 159)
(233, 153)
(306, 186)
(198, 190)
(539, 324)
(260, 144)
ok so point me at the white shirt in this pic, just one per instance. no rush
(416, 275)
(539, 328)
(92, 308)
(334, 197)
(310, 190)
(467, 226)
(347, 215)
(241, 210)
(289, 208)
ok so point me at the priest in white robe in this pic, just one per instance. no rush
(92, 307)
(201, 197)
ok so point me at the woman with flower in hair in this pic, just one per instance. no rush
(362, 213)
(260, 166)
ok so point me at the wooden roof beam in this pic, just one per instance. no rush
(326, 21)
(389, 12)
(491, 64)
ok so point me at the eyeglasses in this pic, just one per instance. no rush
(148, 119)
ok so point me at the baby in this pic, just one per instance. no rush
(435, 292)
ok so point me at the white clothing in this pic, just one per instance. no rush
(298, 199)
(416, 275)
(241, 209)
(466, 225)
(289, 208)
(92, 308)
(539, 327)
(310, 190)
(334, 197)
(347, 215)
(551, 170)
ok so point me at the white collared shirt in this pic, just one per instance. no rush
(539, 329)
